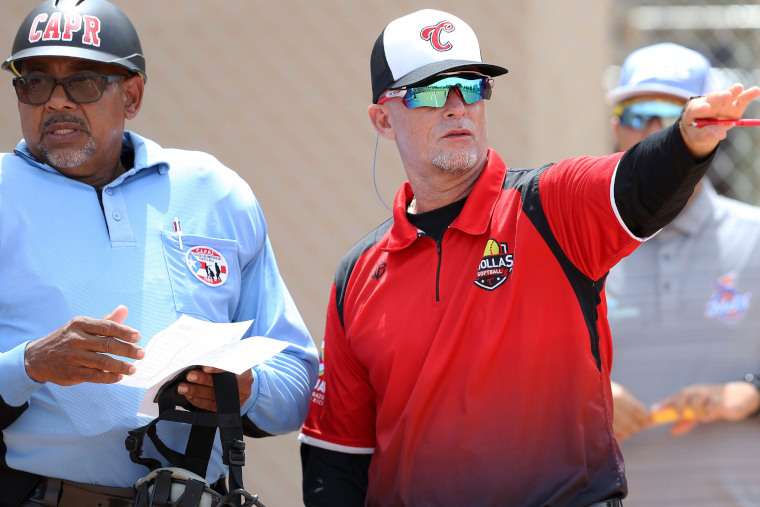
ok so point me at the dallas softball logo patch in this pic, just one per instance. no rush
(495, 266)
(207, 265)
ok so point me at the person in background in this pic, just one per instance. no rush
(685, 318)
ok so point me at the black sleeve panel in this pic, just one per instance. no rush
(346, 265)
(332, 478)
(14, 485)
(588, 292)
(655, 179)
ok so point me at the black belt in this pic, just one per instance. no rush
(58, 493)
(613, 502)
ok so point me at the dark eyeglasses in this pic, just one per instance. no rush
(435, 94)
(80, 88)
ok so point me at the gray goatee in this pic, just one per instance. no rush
(455, 163)
(66, 159)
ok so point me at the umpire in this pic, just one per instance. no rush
(81, 192)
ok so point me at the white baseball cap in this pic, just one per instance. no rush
(662, 68)
(420, 45)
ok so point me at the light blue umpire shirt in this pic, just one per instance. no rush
(62, 256)
(684, 309)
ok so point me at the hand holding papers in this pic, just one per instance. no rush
(189, 342)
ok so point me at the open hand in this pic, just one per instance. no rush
(728, 104)
(76, 352)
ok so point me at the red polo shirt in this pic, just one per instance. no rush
(477, 370)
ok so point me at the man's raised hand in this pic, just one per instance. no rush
(728, 104)
(76, 352)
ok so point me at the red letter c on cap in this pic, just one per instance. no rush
(433, 34)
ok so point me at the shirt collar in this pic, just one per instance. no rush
(147, 155)
(474, 218)
(693, 218)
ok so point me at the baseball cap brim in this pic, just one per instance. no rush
(656, 108)
(132, 62)
(623, 93)
(427, 71)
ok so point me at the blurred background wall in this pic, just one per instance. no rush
(278, 91)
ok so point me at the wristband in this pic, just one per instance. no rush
(755, 381)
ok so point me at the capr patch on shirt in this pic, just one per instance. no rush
(207, 265)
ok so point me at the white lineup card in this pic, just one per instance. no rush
(188, 342)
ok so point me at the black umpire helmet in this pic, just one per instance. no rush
(88, 29)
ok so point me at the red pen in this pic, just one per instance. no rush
(735, 123)
(178, 230)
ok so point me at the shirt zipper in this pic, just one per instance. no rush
(438, 272)
(438, 246)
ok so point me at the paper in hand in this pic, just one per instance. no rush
(189, 342)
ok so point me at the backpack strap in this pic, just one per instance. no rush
(203, 432)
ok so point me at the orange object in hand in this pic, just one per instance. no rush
(671, 415)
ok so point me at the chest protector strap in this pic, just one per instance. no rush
(202, 434)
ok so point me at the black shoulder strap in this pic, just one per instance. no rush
(231, 435)
(201, 440)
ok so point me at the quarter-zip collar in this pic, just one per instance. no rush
(474, 218)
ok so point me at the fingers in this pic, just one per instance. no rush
(96, 376)
(697, 400)
(199, 390)
(106, 363)
(747, 96)
(682, 427)
(700, 403)
(74, 353)
(729, 103)
(104, 327)
(119, 315)
(109, 336)
(116, 348)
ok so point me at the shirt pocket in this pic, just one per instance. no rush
(204, 275)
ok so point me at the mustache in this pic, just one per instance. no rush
(457, 125)
(63, 118)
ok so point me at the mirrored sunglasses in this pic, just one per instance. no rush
(639, 113)
(436, 93)
(80, 88)
(639, 122)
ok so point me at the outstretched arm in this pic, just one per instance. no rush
(656, 177)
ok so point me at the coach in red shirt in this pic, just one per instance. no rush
(467, 353)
